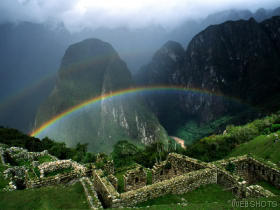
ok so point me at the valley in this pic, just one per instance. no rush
(140, 116)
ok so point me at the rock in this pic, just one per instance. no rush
(232, 59)
(89, 69)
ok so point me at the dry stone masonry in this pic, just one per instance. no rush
(113, 180)
(61, 164)
(257, 191)
(175, 165)
(16, 153)
(177, 175)
(135, 179)
(247, 171)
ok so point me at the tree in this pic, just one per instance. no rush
(124, 153)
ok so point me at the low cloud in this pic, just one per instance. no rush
(80, 14)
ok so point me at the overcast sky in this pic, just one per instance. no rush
(79, 14)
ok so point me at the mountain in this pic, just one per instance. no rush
(236, 59)
(188, 29)
(31, 54)
(89, 69)
(162, 71)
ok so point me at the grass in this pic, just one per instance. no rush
(262, 146)
(266, 202)
(58, 197)
(205, 194)
(149, 176)
(59, 171)
(44, 159)
(192, 131)
(25, 163)
(269, 187)
(90, 192)
(119, 175)
(3, 182)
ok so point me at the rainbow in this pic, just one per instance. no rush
(119, 93)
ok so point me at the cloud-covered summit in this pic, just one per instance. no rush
(80, 14)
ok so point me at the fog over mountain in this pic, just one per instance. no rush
(80, 14)
(34, 35)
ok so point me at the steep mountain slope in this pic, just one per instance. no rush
(187, 30)
(160, 71)
(31, 52)
(89, 69)
(238, 59)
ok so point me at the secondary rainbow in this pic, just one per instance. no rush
(118, 93)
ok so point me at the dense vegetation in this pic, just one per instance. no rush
(257, 137)
(13, 137)
(219, 146)
(125, 153)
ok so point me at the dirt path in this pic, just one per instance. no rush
(179, 141)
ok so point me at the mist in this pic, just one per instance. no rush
(34, 35)
(77, 15)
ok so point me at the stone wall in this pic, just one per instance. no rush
(253, 170)
(109, 167)
(256, 191)
(91, 194)
(241, 167)
(263, 172)
(232, 182)
(176, 165)
(62, 164)
(177, 185)
(107, 164)
(135, 179)
(105, 190)
(16, 153)
(2, 156)
(46, 181)
(113, 180)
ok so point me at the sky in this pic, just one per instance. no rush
(81, 14)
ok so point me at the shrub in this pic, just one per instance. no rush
(149, 177)
(167, 165)
(275, 127)
(266, 131)
(230, 167)
(244, 133)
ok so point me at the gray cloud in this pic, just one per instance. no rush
(79, 14)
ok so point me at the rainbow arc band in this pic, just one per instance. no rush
(96, 99)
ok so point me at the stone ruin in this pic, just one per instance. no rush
(175, 165)
(15, 153)
(113, 180)
(61, 164)
(247, 172)
(107, 165)
(135, 179)
(19, 175)
(177, 175)
(180, 174)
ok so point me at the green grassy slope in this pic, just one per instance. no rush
(210, 197)
(58, 197)
(263, 146)
(217, 147)
(204, 194)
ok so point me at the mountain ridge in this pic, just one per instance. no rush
(85, 74)
(237, 59)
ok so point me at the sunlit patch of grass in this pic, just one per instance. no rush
(263, 146)
(53, 197)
